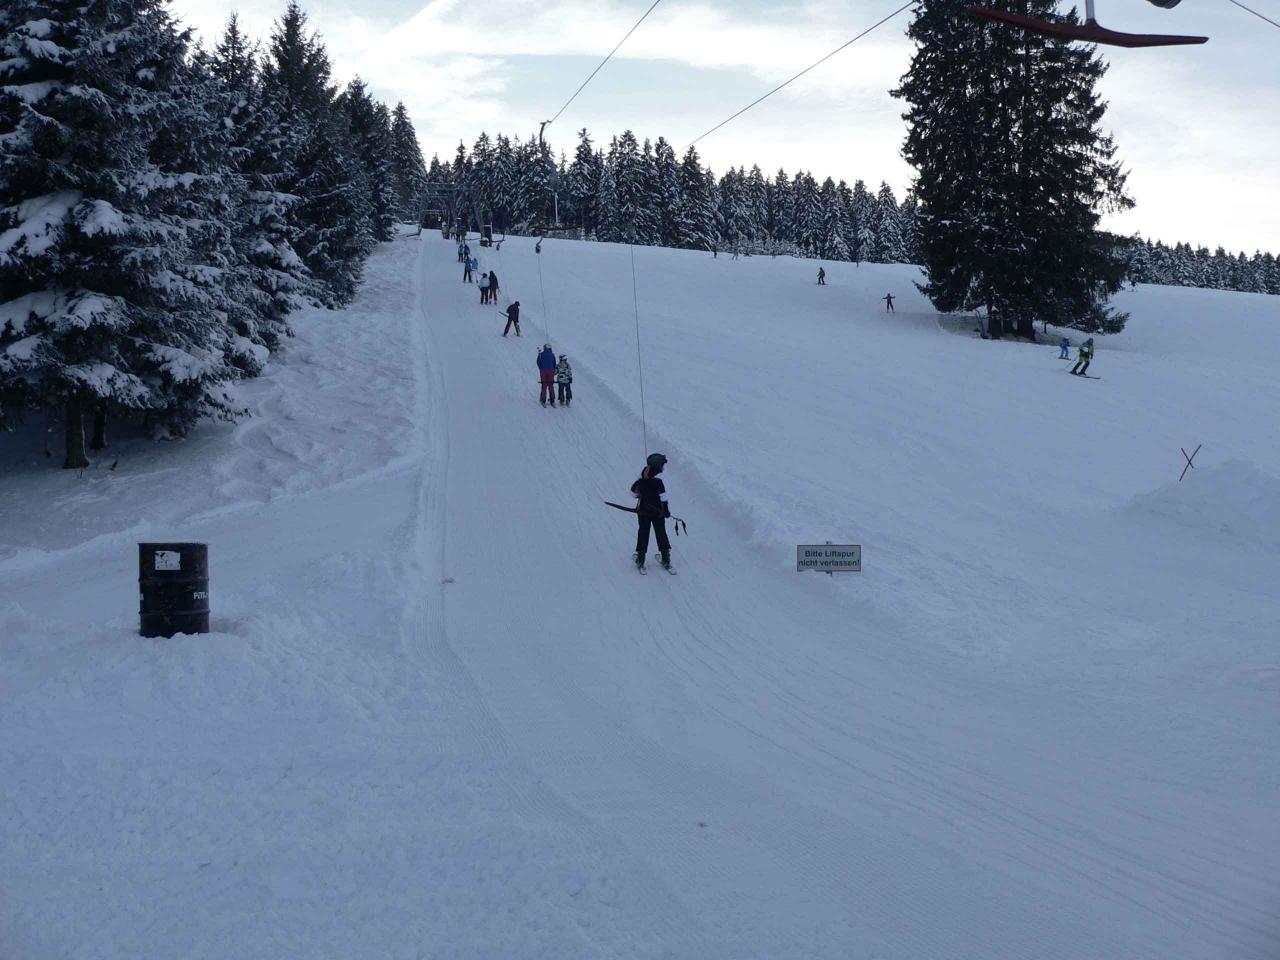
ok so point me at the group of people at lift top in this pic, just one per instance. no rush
(888, 298)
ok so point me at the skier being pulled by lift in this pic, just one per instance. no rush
(652, 511)
(564, 381)
(547, 375)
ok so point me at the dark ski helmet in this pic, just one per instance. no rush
(656, 461)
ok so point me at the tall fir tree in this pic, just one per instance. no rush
(113, 248)
(1012, 171)
(408, 171)
(333, 218)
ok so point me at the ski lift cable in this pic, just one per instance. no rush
(635, 300)
(546, 316)
(1255, 13)
(601, 64)
(811, 66)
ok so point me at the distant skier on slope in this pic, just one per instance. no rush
(564, 381)
(822, 277)
(1083, 358)
(493, 286)
(461, 248)
(513, 318)
(484, 288)
(1066, 349)
(547, 375)
(467, 268)
(652, 511)
(888, 303)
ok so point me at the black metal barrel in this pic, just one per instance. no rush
(173, 583)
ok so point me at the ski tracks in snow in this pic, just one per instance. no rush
(801, 786)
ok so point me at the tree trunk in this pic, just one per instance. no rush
(75, 459)
(995, 324)
(99, 441)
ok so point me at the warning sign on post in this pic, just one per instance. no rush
(829, 557)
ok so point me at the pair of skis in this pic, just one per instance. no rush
(644, 572)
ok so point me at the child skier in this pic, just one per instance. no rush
(652, 511)
(547, 375)
(1083, 358)
(564, 381)
(484, 288)
(513, 316)
(822, 277)
(888, 303)
(467, 268)
(1066, 349)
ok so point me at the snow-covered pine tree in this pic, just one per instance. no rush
(583, 183)
(666, 193)
(807, 211)
(1012, 170)
(909, 222)
(506, 187)
(608, 225)
(368, 124)
(757, 200)
(631, 190)
(834, 246)
(886, 228)
(273, 279)
(335, 232)
(113, 255)
(408, 171)
(861, 217)
(697, 215)
(781, 220)
(332, 217)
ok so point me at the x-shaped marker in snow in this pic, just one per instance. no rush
(1190, 465)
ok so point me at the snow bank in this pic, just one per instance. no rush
(1236, 500)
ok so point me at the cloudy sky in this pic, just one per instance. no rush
(1198, 127)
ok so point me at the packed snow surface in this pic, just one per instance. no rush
(440, 715)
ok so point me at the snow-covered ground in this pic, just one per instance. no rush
(440, 716)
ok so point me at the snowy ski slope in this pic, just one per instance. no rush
(440, 716)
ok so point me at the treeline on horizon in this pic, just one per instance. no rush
(166, 208)
(638, 191)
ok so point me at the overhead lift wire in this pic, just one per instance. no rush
(590, 76)
(1255, 13)
(811, 66)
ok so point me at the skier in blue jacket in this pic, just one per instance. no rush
(1066, 349)
(547, 375)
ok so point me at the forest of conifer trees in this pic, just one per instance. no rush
(640, 191)
(166, 207)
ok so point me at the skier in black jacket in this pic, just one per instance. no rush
(652, 511)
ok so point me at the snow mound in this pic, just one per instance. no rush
(1236, 500)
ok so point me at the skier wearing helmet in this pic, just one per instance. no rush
(547, 375)
(652, 511)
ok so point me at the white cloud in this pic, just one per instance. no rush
(1195, 126)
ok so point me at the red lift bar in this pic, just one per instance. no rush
(1090, 31)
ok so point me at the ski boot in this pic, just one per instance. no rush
(665, 560)
(638, 559)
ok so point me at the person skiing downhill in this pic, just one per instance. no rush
(1083, 358)
(1066, 349)
(564, 381)
(888, 303)
(547, 375)
(652, 511)
(513, 317)
(822, 277)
